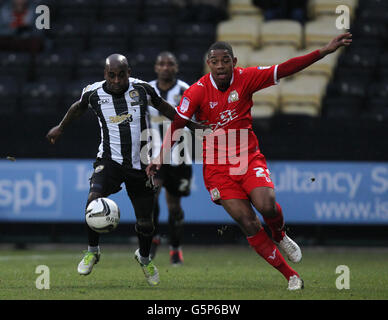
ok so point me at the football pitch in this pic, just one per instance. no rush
(209, 273)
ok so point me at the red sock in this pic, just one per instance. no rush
(276, 224)
(265, 247)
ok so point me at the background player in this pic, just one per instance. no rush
(224, 98)
(120, 103)
(174, 177)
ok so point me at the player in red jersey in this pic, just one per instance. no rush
(234, 169)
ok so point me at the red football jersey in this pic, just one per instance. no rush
(228, 113)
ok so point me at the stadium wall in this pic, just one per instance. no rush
(44, 200)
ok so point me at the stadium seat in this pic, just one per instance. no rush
(369, 30)
(120, 9)
(266, 102)
(199, 35)
(320, 31)
(151, 34)
(113, 34)
(18, 64)
(282, 32)
(91, 64)
(303, 95)
(243, 7)
(77, 9)
(190, 67)
(240, 31)
(325, 66)
(318, 8)
(341, 107)
(70, 35)
(271, 55)
(41, 98)
(9, 95)
(155, 9)
(54, 64)
(352, 85)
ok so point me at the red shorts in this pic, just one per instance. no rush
(231, 182)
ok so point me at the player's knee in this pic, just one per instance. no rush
(93, 196)
(250, 224)
(144, 227)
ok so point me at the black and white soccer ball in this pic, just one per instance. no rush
(102, 215)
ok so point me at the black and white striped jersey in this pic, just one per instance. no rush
(122, 120)
(160, 123)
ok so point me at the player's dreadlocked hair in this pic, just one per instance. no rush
(221, 45)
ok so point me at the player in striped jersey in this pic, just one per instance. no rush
(120, 103)
(174, 177)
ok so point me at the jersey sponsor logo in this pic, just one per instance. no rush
(184, 105)
(215, 194)
(224, 118)
(233, 96)
(213, 104)
(121, 118)
(102, 101)
(99, 168)
(200, 83)
(265, 67)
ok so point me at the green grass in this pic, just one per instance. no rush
(209, 273)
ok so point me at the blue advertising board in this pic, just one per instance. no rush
(309, 192)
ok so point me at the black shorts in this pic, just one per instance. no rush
(108, 176)
(176, 179)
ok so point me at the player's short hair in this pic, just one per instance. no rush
(221, 45)
(165, 54)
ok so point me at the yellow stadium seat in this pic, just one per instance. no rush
(240, 30)
(320, 31)
(282, 32)
(306, 109)
(266, 102)
(318, 8)
(262, 111)
(242, 53)
(271, 55)
(242, 7)
(303, 95)
(324, 66)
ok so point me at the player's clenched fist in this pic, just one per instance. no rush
(54, 134)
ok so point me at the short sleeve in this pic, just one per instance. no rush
(190, 102)
(261, 77)
(84, 99)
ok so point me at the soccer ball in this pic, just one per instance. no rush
(102, 215)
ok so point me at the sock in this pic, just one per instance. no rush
(276, 224)
(265, 247)
(94, 249)
(144, 260)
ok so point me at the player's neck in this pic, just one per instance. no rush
(165, 85)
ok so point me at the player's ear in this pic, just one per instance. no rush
(129, 72)
(234, 61)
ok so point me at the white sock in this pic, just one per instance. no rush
(94, 249)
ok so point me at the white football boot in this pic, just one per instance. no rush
(150, 271)
(295, 283)
(88, 261)
(290, 247)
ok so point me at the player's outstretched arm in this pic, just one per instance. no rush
(165, 108)
(297, 64)
(75, 111)
(343, 40)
